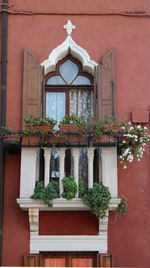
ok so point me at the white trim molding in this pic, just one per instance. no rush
(68, 243)
(69, 47)
(61, 204)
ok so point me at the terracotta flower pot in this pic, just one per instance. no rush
(105, 138)
(7, 139)
(30, 141)
(53, 139)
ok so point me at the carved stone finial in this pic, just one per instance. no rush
(69, 27)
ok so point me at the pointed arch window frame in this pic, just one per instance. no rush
(66, 87)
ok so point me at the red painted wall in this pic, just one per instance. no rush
(128, 235)
(68, 223)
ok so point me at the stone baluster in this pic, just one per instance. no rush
(47, 156)
(61, 168)
(90, 156)
(76, 152)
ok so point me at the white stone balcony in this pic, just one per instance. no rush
(28, 176)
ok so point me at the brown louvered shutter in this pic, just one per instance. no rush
(32, 86)
(106, 260)
(31, 260)
(106, 85)
(95, 94)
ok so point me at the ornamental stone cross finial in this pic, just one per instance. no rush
(69, 27)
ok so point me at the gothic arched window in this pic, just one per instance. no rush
(69, 90)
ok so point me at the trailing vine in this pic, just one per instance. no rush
(46, 193)
(122, 207)
(97, 198)
(70, 188)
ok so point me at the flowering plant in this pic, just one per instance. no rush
(132, 143)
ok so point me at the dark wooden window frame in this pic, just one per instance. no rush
(69, 256)
(66, 88)
(99, 259)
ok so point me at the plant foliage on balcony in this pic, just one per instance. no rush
(97, 198)
(38, 120)
(73, 120)
(48, 193)
(131, 139)
(70, 188)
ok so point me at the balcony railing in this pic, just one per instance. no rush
(29, 145)
(28, 177)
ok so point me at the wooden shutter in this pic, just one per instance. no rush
(95, 94)
(106, 85)
(106, 260)
(31, 260)
(32, 85)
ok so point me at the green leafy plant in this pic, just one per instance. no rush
(132, 143)
(38, 120)
(46, 194)
(70, 188)
(26, 132)
(5, 130)
(110, 125)
(82, 187)
(122, 207)
(73, 119)
(97, 198)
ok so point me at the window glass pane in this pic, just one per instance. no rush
(82, 262)
(54, 164)
(55, 80)
(56, 105)
(69, 71)
(81, 80)
(81, 102)
(55, 262)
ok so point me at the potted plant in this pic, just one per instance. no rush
(30, 138)
(132, 143)
(8, 136)
(40, 124)
(73, 126)
(72, 123)
(106, 130)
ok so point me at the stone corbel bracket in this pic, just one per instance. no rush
(34, 221)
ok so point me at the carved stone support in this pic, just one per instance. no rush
(103, 228)
(34, 221)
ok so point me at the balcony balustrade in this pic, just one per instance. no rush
(107, 166)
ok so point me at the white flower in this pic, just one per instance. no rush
(129, 123)
(123, 127)
(138, 126)
(124, 142)
(145, 128)
(124, 167)
(131, 128)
